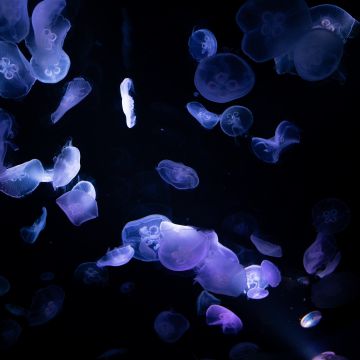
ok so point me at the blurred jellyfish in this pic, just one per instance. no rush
(240, 224)
(243, 351)
(6, 133)
(223, 77)
(127, 287)
(113, 354)
(204, 300)
(144, 236)
(16, 310)
(303, 280)
(79, 204)
(236, 120)
(331, 216)
(220, 315)
(16, 79)
(46, 304)
(178, 175)
(116, 257)
(10, 331)
(266, 247)
(4, 285)
(272, 28)
(30, 233)
(329, 355)
(170, 326)
(127, 101)
(76, 90)
(47, 276)
(89, 274)
(207, 119)
(269, 150)
(202, 43)
(311, 319)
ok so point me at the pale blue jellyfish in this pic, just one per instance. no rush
(144, 236)
(6, 133)
(206, 118)
(10, 331)
(243, 351)
(30, 233)
(16, 78)
(170, 326)
(4, 285)
(116, 257)
(311, 319)
(236, 120)
(204, 300)
(220, 315)
(89, 274)
(127, 101)
(178, 175)
(76, 90)
(266, 247)
(223, 77)
(16, 310)
(202, 43)
(272, 28)
(14, 20)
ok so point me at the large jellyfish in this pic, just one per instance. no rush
(6, 133)
(170, 326)
(116, 257)
(236, 120)
(127, 101)
(30, 233)
(311, 319)
(202, 43)
(206, 118)
(89, 274)
(4, 285)
(204, 300)
(220, 315)
(223, 77)
(266, 247)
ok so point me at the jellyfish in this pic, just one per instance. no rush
(116, 257)
(331, 216)
(30, 233)
(6, 133)
(16, 79)
(127, 101)
(47, 276)
(220, 315)
(204, 300)
(78, 204)
(272, 28)
(14, 20)
(144, 236)
(89, 274)
(311, 319)
(266, 247)
(76, 90)
(223, 77)
(240, 224)
(329, 355)
(170, 326)
(4, 285)
(127, 287)
(206, 118)
(243, 351)
(10, 331)
(16, 310)
(112, 354)
(178, 175)
(46, 304)
(202, 43)
(236, 120)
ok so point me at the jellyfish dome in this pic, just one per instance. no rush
(202, 43)
(170, 326)
(220, 315)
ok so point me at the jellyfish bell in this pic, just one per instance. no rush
(202, 43)
(311, 319)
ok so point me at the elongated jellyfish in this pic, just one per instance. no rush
(204, 300)
(89, 274)
(170, 326)
(243, 351)
(4, 285)
(76, 90)
(30, 233)
(127, 101)
(116, 257)
(10, 331)
(202, 43)
(311, 319)
(236, 120)
(116, 353)
(220, 315)
(206, 118)
(6, 133)
(266, 247)
(16, 310)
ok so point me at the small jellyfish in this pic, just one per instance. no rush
(113, 354)
(311, 319)
(10, 331)
(170, 326)
(236, 120)
(202, 43)
(89, 274)
(30, 233)
(204, 300)
(127, 101)
(178, 175)
(266, 247)
(220, 315)
(243, 351)
(223, 77)
(76, 90)
(6, 133)
(303, 280)
(127, 287)
(116, 257)
(4, 285)
(206, 118)
(16, 310)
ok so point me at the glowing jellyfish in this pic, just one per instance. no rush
(269, 150)
(16, 78)
(76, 90)
(311, 319)
(30, 233)
(127, 101)
(16, 310)
(220, 315)
(223, 77)
(272, 28)
(266, 247)
(243, 351)
(178, 175)
(206, 118)
(202, 43)
(46, 304)
(10, 331)
(236, 120)
(144, 236)
(89, 274)
(329, 355)
(78, 204)
(6, 133)
(170, 326)
(116, 257)
(204, 300)
(331, 216)
(4, 285)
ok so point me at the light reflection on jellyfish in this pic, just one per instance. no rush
(311, 319)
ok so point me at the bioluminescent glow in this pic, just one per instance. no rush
(206, 118)
(127, 101)
(311, 319)
(236, 120)
(116, 257)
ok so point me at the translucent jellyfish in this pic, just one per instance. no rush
(266, 247)
(46, 304)
(127, 287)
(311, 319)
(66, 165)
(89, 274)
(76, 90)
(178, 175)
(16, 310)
(144, 236)
(30, 233)
(236, 120)
(16, 78)
(220, 315)
(170, 326)
(223, 77)
(243, 351)
(78, 204)
(271, 28)
(127, 101)
(116, 257)
(47, 276)
(4, 285)
(14, 20)
(329, 355)
(240, 224)
(202, 43)
(113, 354)
(269, 150)
(6, 133)
(331, 216)
(204, 300)
(10, 331)
(206, 118)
